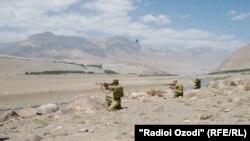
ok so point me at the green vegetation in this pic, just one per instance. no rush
(71, 63)
(110, 72)
(145, 75)
(222, 77)
(54, 72)
(230, 71)
(97, 66)
(90, 72)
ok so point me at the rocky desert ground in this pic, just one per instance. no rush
(70, 107)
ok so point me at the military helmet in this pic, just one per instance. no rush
(196, 80)
(115, 81)
(175, 81)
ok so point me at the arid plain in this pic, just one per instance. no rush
(221, 103)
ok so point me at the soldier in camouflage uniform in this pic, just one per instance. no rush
(197, 83)
(177, 88)
(113, 99)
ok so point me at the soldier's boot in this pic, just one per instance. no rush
(108, 101)
(114, 106)
(119, 107)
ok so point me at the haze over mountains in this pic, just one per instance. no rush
(240, 59)
(113, 50)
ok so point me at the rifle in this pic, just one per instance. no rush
(104, 87)
(170, 84)
(103, 84)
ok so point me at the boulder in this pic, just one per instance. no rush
(191, 93)
(7, 115)
(159, 93)
(212, 85)
(47, 109)
(238, 81)
(205, 116)
(135, 95)
(169, 93)
(187, 121)
(33, 138)
(222, 84)
(86, 104)
(27, 112)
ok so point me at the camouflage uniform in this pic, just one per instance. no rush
(113, 100)
(197, 84)
(178, 89)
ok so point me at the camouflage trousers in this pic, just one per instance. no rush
(176, 94)
(113, 104)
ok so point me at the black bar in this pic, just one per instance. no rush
(196, 132)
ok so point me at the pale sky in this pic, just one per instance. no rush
(157, 23)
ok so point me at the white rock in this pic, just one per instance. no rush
(27, 112)
(47, 109)
(221, 84)
(212, 85)
(34, 138)
(135, 95)
(85, 104)
(205, 116)
(169, 93)
(187, 121)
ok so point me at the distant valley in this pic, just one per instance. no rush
(115, 50)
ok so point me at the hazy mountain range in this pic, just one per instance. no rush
(240, 59)
(17, 65)
(114, 50)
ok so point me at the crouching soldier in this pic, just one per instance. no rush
(177, 88)
(197, 83)
(113, 100)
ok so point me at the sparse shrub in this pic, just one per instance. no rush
(142, 114)
(230, 71)
(54, 72)
(158, 93)
(90, 72)
(97, 66)
(110, 72)
(232, 83)
(71, 63)
(222, 77)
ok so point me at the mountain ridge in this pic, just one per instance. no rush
(115, 49)
(238, 60)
